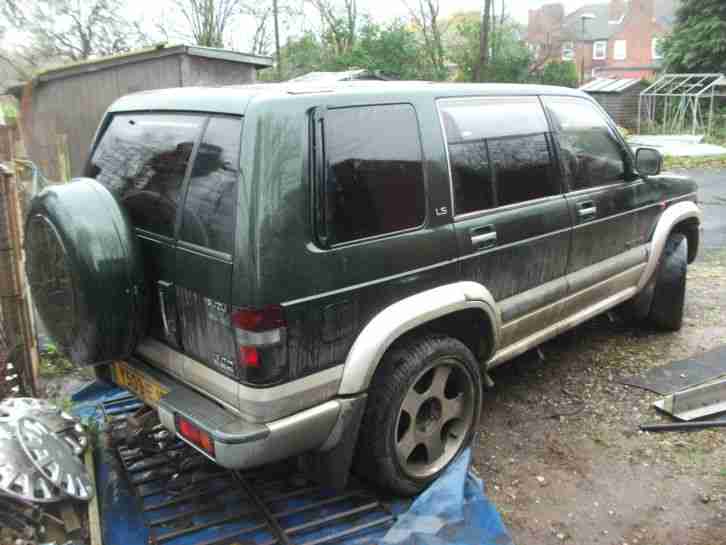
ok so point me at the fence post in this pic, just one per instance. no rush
(14, 301)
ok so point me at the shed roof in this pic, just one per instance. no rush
(112, 61)
(609, 85)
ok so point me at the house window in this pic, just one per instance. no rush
(600, 50)
(655, 51)
(620, 50)
(568, 51)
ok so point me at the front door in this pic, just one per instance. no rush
(512, 221)
(606, 251)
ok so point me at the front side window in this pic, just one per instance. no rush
(499, 152)
(209, 209)
(142, 160)
(374, 182)
(590, 153)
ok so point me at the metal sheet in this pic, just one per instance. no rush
(693, 403)
(682, 374)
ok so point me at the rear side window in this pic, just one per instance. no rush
(142, 159)
(499, 152)
(373, 183)
(590, 154)
(209, 209)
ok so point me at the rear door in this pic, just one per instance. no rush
(606, 247)
(158, 164)
(511, 219)
(204, 253)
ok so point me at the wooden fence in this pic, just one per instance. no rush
(18, 346)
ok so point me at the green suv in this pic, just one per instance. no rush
(330, 272)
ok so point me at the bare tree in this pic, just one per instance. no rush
(426, 17)
(340, 22)
(208, 20)
(71, 29)
(260, 14)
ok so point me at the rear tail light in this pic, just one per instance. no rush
(258, 333)
(194, 434)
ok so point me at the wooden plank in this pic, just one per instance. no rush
(14, 303)
(94, 516)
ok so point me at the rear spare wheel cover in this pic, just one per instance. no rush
(85, 272)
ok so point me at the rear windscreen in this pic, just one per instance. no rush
(143, 159)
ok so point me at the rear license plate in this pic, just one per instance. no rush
(148, 390)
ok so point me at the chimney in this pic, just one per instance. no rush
(617, 9)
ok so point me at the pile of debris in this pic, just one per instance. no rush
(40, 465)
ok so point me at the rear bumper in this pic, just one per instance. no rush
(238, 443)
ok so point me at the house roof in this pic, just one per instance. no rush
(598, 28)
(140, 55)
(601, 28)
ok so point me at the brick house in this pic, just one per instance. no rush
(618, 38)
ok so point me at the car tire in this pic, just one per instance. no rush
(666, 310)
(412, 427)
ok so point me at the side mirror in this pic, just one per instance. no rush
(648, 161)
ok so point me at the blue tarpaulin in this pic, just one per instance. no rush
(453, 510)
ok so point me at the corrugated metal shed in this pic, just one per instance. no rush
(619, 98)
(62, 107)
(609, 85)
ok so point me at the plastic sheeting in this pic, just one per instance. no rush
(454, 510)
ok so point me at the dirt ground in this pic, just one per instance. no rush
(560, 450)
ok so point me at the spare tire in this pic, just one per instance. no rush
(85, 272)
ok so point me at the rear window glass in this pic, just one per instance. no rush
(375, 177)
(208, 218)
(142, 159)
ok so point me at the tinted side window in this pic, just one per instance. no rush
(142, 159)
(522, 169)
(590, 154)
(374, 181)
(209, 210)
(498, 152)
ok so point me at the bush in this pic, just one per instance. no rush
(563, 73)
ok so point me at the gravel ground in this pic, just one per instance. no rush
(560, 450)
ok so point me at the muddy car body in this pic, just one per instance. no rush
(288, 270)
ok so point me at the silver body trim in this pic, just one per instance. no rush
(254, 404)
(405, 315)
(672, 215)
(624, 287)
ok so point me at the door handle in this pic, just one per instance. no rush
(587, 210)
(483, 237)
